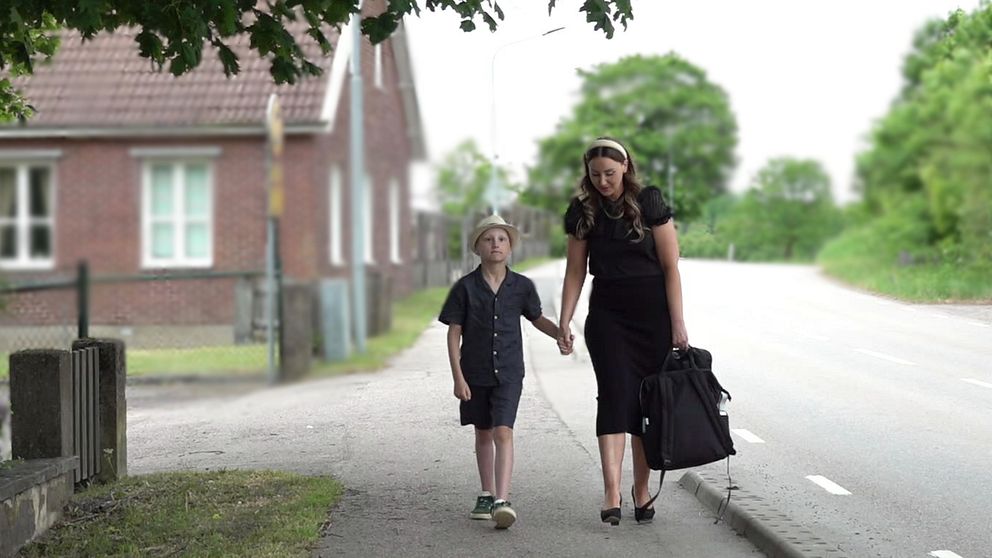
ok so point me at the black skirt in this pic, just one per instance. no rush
(628, 334)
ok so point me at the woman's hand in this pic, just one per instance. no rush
(462, 390)
(565, 340)
(680, 337)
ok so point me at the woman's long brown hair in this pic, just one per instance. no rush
(592, 200)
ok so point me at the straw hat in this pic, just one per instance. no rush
(490, 222)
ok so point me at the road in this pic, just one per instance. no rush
(864, 418)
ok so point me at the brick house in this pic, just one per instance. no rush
(142, 173)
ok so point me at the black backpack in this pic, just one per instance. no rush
(683, 421)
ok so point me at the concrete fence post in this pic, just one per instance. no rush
(113, 406)
(41, 404)
(296, 331)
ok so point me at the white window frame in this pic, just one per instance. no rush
(368, 204)
(179, 218)
(377, 73)
(395, 210)
(23, 220)
(335, 216)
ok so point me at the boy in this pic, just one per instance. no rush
(485, 350)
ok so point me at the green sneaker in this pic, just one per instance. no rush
(483, 507)
(503, 514)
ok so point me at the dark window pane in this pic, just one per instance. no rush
(41, 192)
(8, 193)
(41, 241)
(8, 242)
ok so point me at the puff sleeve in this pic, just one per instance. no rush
(653, 207)
(572, 216)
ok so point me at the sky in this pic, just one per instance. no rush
(804, 78)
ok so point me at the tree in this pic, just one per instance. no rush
(175, 32)
(463, 177)
(665, 110)
(787, 214)
(932, 149)
(462, 180)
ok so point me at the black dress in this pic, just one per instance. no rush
(628, 330)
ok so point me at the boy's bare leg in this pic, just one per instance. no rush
(611, 448)
(485, 455)
(504, 461)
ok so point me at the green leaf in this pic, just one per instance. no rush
(379, 28)
(228, 59)
(467, 25)
(150, 46)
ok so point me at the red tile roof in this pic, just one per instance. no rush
(105, 83)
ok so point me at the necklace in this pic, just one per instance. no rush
(607, 204)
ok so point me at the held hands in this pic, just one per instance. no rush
(565, 340)
(462, 391)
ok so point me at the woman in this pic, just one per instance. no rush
(624, 232)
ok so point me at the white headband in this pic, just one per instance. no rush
(607, 143)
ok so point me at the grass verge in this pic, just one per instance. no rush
(870, 258)
(411, 316)
(225, 513)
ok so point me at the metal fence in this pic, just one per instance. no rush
(86, 412)
(171, 322)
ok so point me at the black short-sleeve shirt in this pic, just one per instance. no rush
(613, 249)
(492, 346)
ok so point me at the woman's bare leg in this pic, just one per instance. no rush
(611, 448)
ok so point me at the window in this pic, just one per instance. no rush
(394, 221)
(27, 217)
(368, 204)
(177, 214)
(335, 216)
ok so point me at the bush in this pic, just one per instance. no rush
(698, 242)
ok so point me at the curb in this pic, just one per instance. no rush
(772, 532)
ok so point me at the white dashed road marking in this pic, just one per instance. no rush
(884, 356)
(944, 554)
(828, 485)
(977, 382)
(747, 435)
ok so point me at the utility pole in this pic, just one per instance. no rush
(357, 186)
(671, 180)
(276, 140)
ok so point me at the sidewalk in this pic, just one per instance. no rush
(394, 440)
(410, 488)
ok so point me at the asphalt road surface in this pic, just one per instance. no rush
(866, 419)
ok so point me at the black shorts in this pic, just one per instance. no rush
(492, 406)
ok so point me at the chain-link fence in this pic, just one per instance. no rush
(180, 322)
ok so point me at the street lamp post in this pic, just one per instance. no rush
(493, 193)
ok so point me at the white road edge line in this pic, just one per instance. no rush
(977, 382)
(884, 356)
(747, 435)
(828, 485)
(944, 554)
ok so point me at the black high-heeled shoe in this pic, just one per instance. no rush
(643, 514)
(612, 515)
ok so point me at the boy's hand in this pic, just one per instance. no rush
(462, 391)
(565, 340)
